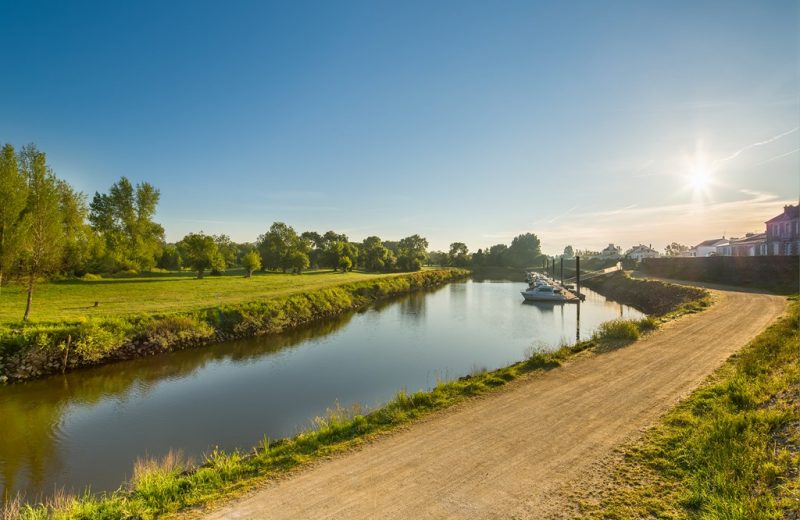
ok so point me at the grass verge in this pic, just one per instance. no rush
(33, 350)
(162, 487)
(731, 450)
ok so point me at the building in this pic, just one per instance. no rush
(783, 232)
(709, 247)
(611, 251)
(752, 244)
(642, 251)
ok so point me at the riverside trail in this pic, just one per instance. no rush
(514, 452)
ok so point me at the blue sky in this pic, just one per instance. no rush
(584, 122)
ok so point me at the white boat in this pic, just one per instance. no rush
(543, 293)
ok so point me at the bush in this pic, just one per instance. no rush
(617, 330)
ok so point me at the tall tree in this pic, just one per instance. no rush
(251, 261)
(375, 256)
(524, 250)
(124, 218)
(79, 239)
(411, 253)
(569, 252)
(13, 197)
(458, 255)
(279, 245)
(201, 253)
(44, 233)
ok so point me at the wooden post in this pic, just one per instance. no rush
(578, 275)
(562, 271)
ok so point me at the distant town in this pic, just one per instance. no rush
(781, 237)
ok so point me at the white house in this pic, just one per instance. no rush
(642, 251)
(709, 247)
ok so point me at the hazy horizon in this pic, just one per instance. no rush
(585, 123)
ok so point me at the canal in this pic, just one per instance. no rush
(86, 428)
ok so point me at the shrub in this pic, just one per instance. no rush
(617, 330)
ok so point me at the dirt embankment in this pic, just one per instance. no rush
(513, 453)
(652, 297)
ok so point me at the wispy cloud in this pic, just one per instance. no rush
(778, 157)
(739, 152)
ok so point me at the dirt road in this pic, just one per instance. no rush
(510, 455)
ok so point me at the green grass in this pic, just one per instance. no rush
(730, 451)
(73, 299)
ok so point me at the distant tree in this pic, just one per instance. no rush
(227, 248)
(170, 258)
(13, 198)
(375, 256)
(524, 250)
(411, 253)
(458, 255)
(44, 235)
(278, 245)
(297, 261)
(569, 252)
(80, 242)
(345, 264)
(251, 261)
(124, 218)
(201, 253)
(438, 258)
(317, 247)
(676, 249)
(479, 258)
(497, 255)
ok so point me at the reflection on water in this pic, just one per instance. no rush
(86, 428)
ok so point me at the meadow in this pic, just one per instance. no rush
(72, 299)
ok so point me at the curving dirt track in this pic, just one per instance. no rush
(512, 454)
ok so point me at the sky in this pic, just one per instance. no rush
(584, 122)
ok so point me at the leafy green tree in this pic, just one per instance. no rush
(124, 218)
(479, 258)
(498, 255)
(458, 255)
(278, 248)
(201, 253)
(375, 256)
(44, 234)
(13, 198)
(170, 258)
(251, 261)
(524, 250)
(297, 261)
(569, 252)
(227, 248)
(345, 264)
(438, 258)
(411, 253)
(80, 242)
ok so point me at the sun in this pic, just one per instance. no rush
(700, 179)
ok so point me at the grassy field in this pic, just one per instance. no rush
(731, 450)
(159, 292)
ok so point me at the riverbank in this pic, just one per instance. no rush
(730, 450)
(654, 298)
(34, 350)
(160, 487)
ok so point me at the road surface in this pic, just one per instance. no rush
(512, 453)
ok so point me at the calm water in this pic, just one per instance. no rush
(87, 428)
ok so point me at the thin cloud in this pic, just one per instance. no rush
(739, 152)
(778, 156)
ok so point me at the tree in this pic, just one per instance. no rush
(569, 252)
(297, 260)
(13, 198)
(438, 258)
(524, 250)
(170, 258)
(227, 248)
(411, 253)
(279, 245)
(497, 255)
(375, 256)
(201, 253)
(345, 264)
(124, 218)
(44, 235)
(80, 242)
(676, 249)
(251, 261)
(458, 255)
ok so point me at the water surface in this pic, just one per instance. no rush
(86, 428)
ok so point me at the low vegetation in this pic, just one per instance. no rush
(34, 349)
(728, 451)
(652, 297)
(172, 484)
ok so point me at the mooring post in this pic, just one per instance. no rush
(578, 275)
(562, 270)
